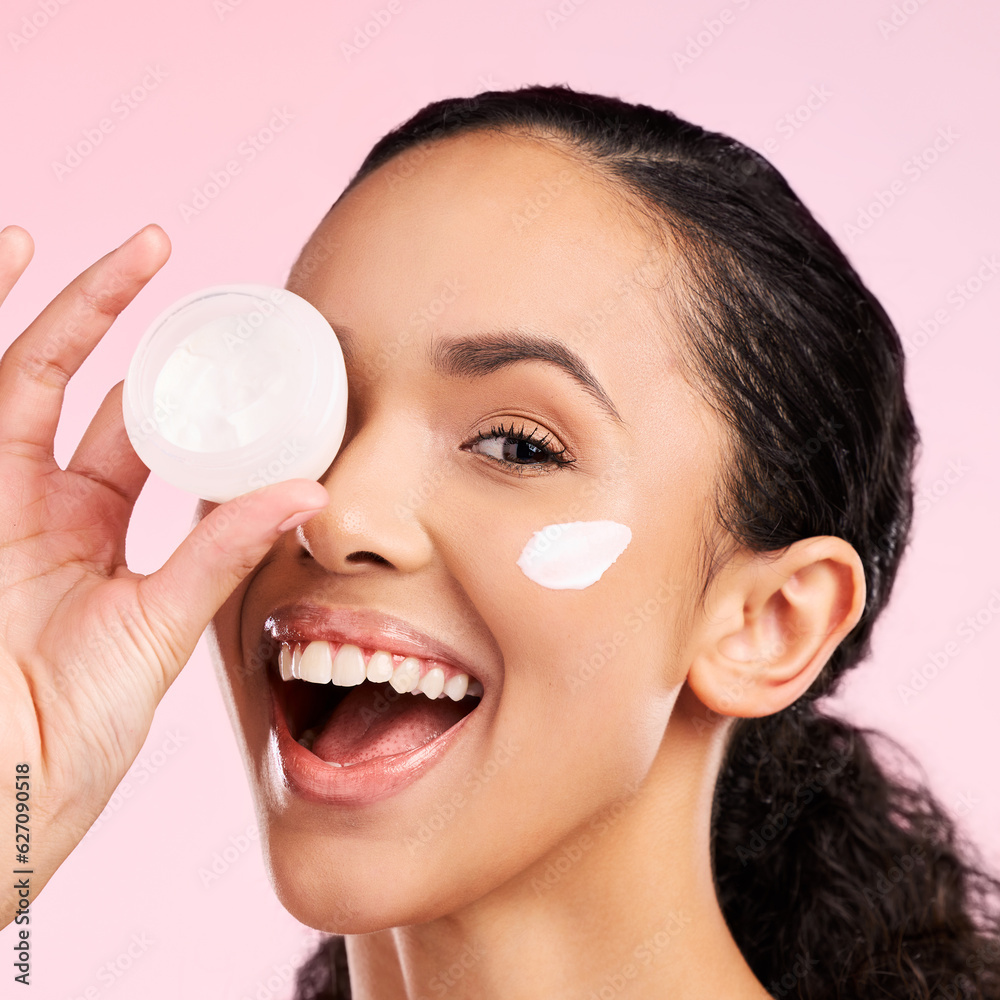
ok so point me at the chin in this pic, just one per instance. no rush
(356, 891)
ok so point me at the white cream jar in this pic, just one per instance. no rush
(234, 387)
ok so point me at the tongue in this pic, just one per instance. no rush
(374, 720)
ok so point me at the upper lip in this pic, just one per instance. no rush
(364, 627)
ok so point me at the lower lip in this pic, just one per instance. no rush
(358, 784)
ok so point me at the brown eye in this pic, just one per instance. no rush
(515, 448)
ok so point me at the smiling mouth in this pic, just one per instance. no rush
(348, 705)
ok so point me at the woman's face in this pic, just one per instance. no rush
(474, 239)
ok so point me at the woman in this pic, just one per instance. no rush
(558, 310)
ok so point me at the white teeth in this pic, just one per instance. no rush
(406, 676)
(285, 662)
(314, 662)
(348, 666)
(432, 683)
(380, 667)
(317, 663)
(455, 687)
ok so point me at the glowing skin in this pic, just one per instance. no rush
(573, 556)
(425, 524)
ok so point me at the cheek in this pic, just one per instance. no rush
(585, 698)
(583, 621)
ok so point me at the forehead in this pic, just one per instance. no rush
(486, 231)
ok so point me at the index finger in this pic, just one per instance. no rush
(16, 248)
(35, 368)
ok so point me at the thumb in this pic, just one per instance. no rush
(183, 595)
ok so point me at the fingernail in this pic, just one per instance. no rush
(134, 235)
(296, 519)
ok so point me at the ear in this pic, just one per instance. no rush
(771, 623)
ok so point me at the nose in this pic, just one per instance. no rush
(371, 519)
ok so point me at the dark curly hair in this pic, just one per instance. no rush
(838, 875)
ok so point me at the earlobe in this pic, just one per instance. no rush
(775, 621)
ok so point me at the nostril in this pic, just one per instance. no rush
(367, 557)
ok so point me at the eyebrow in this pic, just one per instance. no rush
(480, 355)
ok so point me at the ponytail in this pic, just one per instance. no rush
(838, 880)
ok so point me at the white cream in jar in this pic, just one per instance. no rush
(235, 387)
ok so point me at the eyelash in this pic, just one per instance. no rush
(554, 458)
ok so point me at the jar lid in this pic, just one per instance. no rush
(235, 387)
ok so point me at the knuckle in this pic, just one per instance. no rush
(41, 367)
(105, 300)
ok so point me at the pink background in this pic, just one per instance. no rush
(881, 95)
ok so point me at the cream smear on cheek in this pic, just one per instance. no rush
(574, 555)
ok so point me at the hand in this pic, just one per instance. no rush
(87, 647)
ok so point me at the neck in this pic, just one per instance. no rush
(625, 907)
